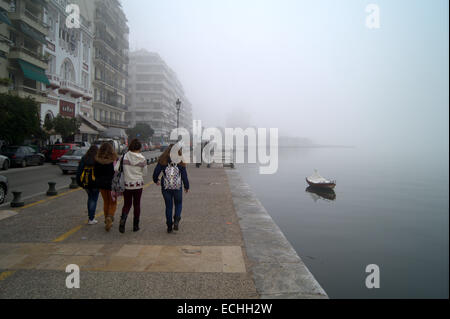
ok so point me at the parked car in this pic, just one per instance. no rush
(3, 188)
(157, 146)
(4, 162)
(69, 162)
(83, 144)
(23, 156)
(60, 150)
(116, 144)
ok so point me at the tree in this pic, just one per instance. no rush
(19, 118)
(65, 126)
(141, 131)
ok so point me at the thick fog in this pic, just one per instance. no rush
(310, 68)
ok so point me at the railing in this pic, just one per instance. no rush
(35, 19)
(72, 87)
(112, 103)
(109, 121)
(112, 84)
(34, 54)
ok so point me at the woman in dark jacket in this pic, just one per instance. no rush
(171, 196)
(104, 173)
(86, 179)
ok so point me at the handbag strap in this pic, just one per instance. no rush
(121, 163)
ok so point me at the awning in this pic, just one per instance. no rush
(94, 123)
(33, 72)
(32, 33)
(84, 129)
(4, 17)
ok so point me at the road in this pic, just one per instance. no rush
(33, 181)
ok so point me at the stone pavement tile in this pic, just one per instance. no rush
(109, 250)
(97, 263)
(119, 263)
(89, 250)
(152, 251)
(67, 249)
(212, 253)
(233, 260)
(60, 262)
(10, 249)
(9, 261)
(31, 261)
(37, 248)
(143, 263)
(129, 251)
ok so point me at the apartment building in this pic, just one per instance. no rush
(154, 89)
(22, 38)
(110, 62)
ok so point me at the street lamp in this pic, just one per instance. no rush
(178, 106)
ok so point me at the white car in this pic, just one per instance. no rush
(4, 163)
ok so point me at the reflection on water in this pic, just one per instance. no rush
(321, 193)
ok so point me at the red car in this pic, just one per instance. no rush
(60, 150)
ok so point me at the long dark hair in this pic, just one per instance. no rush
(164, 159)
(91, 153)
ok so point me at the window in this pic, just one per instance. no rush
(51, 64)
(85, 53)
(68, 71)
(85, 79)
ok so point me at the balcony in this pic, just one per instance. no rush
(29, 18)
(25, 92)
(112, 122)
(55, 82)
(88, 95)
(67, 86)
(20, 52)
(111, 103)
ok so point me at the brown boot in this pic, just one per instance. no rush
(109, 223)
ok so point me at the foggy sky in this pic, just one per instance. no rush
(310, 68)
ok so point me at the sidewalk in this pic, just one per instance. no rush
(205, 259)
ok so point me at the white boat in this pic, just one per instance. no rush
(316, 180)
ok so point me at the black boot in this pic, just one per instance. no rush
(136, 224)
(169, 228)
(123, 220)
(176, 222)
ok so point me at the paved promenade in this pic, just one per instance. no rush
(205, 259)
(228, 247)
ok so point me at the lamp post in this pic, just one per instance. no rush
(178, 106)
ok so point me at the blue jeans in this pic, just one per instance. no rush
(92, 202)
(171, 197)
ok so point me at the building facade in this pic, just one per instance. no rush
(154, 89)
(23, 34)
(110, 62)
(69, 51)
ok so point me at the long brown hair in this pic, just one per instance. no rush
(164, 159)
(91, 153)
(106, 153)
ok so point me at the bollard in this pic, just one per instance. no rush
(52, 189)
(74, 184)
(148, 161)
(17, 201)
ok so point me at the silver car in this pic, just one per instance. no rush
(4, 163)
(69, 162)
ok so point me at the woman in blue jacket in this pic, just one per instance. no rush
(172, 182)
